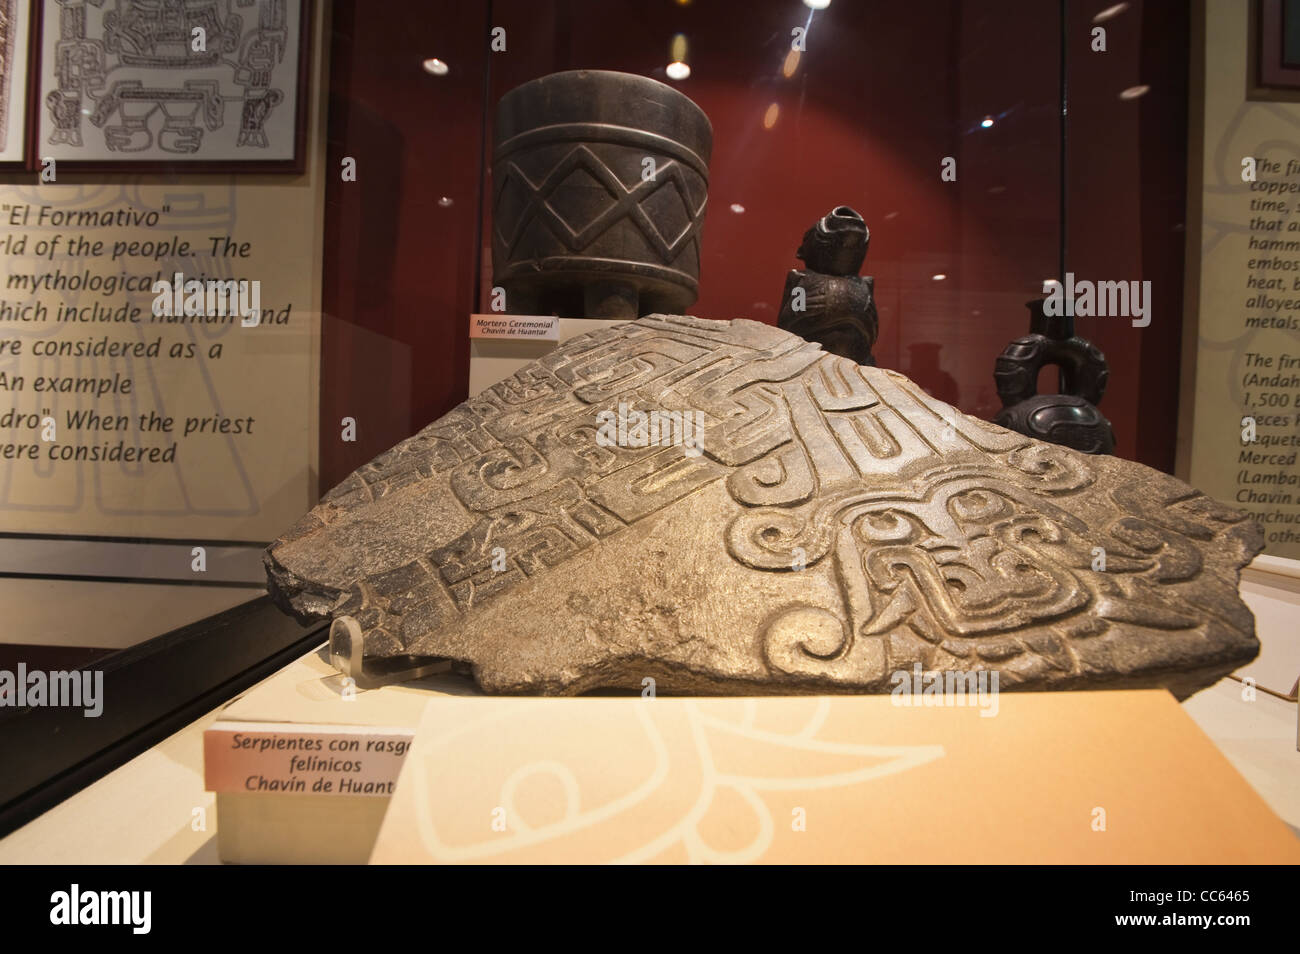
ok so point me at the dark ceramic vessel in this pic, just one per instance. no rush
(1070, 418)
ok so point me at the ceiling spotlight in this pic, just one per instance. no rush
(436, 66)
(938, 278)
(737, 208)
(1133, 92)
(1110, 13)
(986, 122)
(446, 202)
(816, 4)
(678, 70)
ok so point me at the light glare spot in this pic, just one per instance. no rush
(677, 51)
(1110, 13)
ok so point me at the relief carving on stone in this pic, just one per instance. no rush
(826, 526)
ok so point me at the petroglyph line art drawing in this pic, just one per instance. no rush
(175, 79)
(838, 525)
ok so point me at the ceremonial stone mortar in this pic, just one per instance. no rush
(819, 526)
(600, 182)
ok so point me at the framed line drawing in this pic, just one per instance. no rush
(15, 75)
(172, 85)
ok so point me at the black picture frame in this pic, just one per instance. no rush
(294, 166)
(1269, 74)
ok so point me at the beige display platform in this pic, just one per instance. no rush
(1080, 777)
(154, 809)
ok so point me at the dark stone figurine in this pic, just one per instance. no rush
(829, 302)
(1070, 418)
(600, 182)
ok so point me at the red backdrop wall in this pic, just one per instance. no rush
(882, 94)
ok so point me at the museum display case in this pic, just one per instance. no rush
(834, 397)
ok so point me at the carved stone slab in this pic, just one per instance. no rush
(833, 525)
